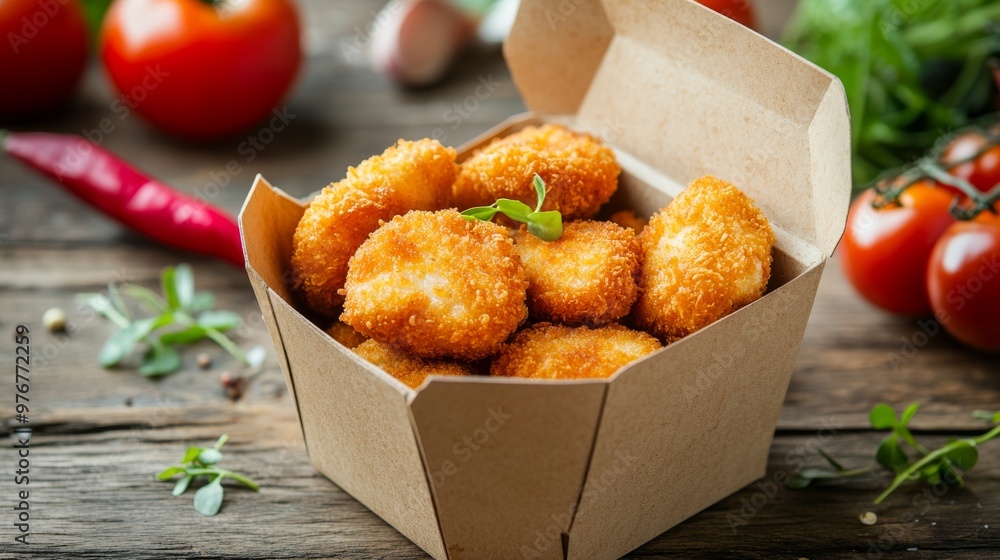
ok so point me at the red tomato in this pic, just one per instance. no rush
(963, 281)
(43, 55)
(885, 251)
(737, 10)
(201, 69)
(984, 171)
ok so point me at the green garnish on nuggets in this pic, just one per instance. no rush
(546, 226)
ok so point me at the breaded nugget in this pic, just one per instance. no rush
(345, 334)
(437, 285)
(580, 173)
(627, 218)
(408, 176)
(705, 255)
(411, 370)
(586, 276)
(546, 351)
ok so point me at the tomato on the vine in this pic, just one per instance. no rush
(44, 54)
(201, 68)
(984, 171)
(963, 281)
(885, 250)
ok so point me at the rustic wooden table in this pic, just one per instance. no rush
(100, 435)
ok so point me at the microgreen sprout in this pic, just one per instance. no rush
(544, 225)
(179, 306)
(944, 464)
(204, 461)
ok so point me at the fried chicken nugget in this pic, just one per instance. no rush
(705, 255)
(546, 351)
(627, 218)
(437, 285)
(579, 171)
(411, 370)
(408, 176)
(586, 276)
(345, 334)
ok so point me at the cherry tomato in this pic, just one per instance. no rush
(963, 281)
(201, 69)
(43, 55)
(983, 172)
(740, 11)
(885, 251)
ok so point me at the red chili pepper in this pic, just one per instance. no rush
(114, 187)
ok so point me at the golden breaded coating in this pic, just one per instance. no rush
(579, 171)
(345, 334)
(546, 351)
(408, 176)
(411, 370)
(586, 276)
(705, 255)
(437, 285)
(627, 218)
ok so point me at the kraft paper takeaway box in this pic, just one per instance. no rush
(507, 468)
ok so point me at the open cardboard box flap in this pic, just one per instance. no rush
(691, 93)
(514, 468)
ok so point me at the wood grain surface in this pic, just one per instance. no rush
(100, 436)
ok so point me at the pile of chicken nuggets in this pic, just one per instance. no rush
(418, 289)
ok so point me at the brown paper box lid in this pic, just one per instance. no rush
(661, 78)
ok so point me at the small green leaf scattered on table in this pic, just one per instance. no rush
(180, 316)
(198, 462)
(944, 464)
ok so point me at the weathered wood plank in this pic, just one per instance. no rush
(299, 514)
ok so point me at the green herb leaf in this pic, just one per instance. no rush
(991, 417)
(891, 455)
(219, 320)
(481, 213)
(182, 485)
(168, 285)
(203, 301)
(184, 285)
(118, 345)
(179, 306)
(209, 456)
(882, 417)
(514, 209)
(908, 414)
(208, 498)
(159, 360)
(169, 472)
(546, 226)
(191, 454)
(220, 442)
(539, 185)
(963, 455)
(243, 480)
(191, 334)
(154, 302)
